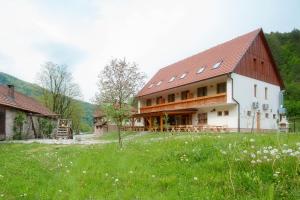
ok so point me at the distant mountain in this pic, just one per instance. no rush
(35, 91)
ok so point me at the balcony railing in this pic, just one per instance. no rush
(184, 104)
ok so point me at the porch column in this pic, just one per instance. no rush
(150, 123)
(161, 123)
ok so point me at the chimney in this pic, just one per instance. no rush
(11, 91)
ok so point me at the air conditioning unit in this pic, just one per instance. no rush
(265, 106)
(255, 105)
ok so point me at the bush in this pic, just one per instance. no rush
(18, 125)
(45, 127)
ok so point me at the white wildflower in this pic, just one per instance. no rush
(258, 152)
(252, 140)
(277, 156)
(253, 155)
(245, 151)
(269, 147)
(116, 180)
(1, 176)
(258, 161)
(60, 190)
(153, 176)
(252, 147)
(130, 171)
(268, 160)
(84, 172)
(253, 161)
(223, 152)
(265, 157)
(275, 175)
(186, 142)
(195, 178)
(106, 174)
(237, 159)
(68, 171)
(285, 145)
(1, 195)
(266, 151)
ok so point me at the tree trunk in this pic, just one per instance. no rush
(119, 135)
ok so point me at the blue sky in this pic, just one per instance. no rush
(85, 35)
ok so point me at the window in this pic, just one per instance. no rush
(255, 90)
(184, 95)
(172, 79)
(138, 120)
(219, 113)
(202, 118)
(159, 83)
(200, 70)
(217, 65)
(202, 91)
(150, 86)
(183, 75)
(148, 102)
(267, 115)
(226, 113)
(221, 88)
(171, 98)
(159, 100)
(266, 93)
(274, 116)
(249, 113)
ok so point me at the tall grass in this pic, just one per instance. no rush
(156, 166)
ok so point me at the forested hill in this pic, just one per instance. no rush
(35, 91)
(286, 51)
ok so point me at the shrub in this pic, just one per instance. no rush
(45, 127)
(18, 125)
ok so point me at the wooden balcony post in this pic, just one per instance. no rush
(150, 123)
(161, 123)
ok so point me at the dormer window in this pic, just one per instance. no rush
(200, 70)
(217, 65)
(150, 86)
(183, 75)
(172, 79)
(157, 84)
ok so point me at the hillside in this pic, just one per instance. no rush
(35, 91)
(286, 51)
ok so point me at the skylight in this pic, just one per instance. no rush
(200, 70)
(172, 79)
(183, 75)
(150, 86)
(158, 83)
(217, 65)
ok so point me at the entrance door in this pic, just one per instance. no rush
(258, 121)
(2, 124)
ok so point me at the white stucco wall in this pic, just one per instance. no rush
(244, 93)
(9, 123)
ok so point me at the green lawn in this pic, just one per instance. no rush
(156, 166)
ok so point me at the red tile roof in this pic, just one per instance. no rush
(22, 102)
(229, 53)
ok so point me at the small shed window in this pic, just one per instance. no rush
(217, 65)
(200, 70)
(183, 75)
(172, 79)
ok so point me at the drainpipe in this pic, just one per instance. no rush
(239, 109)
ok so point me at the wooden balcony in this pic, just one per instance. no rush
(185, 104)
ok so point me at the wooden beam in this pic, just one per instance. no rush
(161, 123)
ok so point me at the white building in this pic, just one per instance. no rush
(235, 85)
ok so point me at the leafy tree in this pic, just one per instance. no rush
(118, 83)
(59, 92)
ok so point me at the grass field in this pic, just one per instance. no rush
(156, 166)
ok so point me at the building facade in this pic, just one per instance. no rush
(235, 85)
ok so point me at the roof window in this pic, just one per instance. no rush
(217, 65)
(172, 79)
(151, 85)
(183, 75)
(200, 70)
(157, 84)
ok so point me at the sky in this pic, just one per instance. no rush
(87, 34)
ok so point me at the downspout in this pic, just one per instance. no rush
(239, 110)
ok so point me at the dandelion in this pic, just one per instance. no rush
(116, 180)
(195, 178)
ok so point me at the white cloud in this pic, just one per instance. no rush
(86, 34)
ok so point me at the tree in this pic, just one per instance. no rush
(59, 92)
(118, 83)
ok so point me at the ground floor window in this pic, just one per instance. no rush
(226, 113)
(202, 118)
